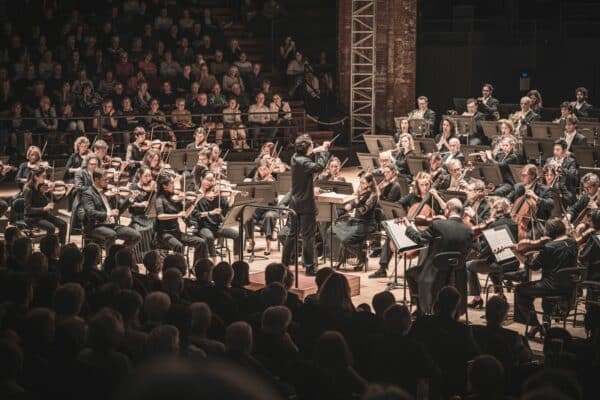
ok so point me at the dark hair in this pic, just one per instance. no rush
(71, 260)
(322, 276)
(396, 319)
(109, 260)
(92, 253)
(583, 91)
(122, 277)
(11, 359)
(486, 375)
(302, 144)
(175, 260)
(68, 299)
(203, 267)
(274, 294)
(105, 330)
(571, 119)
(222, 274)
(332, 352)
(124, 257)
(447, 301)
(275, 272)
(127, 302)
(555, 228)
(562, 143)
(150, 261)
(489, 86)
(241, 272)
(495, 311)
(49, 244)
(382, 300)
(471, 100)
(98, 173)
(334, 295)
(22, 248)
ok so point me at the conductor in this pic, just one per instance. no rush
(302, 200)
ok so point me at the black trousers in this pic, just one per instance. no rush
(50, 224)
(210, 236)
(424, 288)
(177, 240)
(525, 295)
(307, 230)
(484, 266)
(3, 207)
(108, 233)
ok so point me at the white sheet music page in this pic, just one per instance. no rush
(499, 238)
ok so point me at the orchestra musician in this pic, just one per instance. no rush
(559, 252)
(406, 148)
(472, 111)
(454, 152)
(503, 158)
(153, 161)
(302, 200)
(534, 191)
(200, 142)
(352, 234)
(34, 160)
(100, 148)
(589, 258)
(421, 201)
(485, 263)
(565, 165)
(4, 170)
(385, 158)
(423, 112)
(332, 172)
(402, 128)
(536, 101)
(100, 218)
(389, 188)
(136, 150)
(443, 235)
(209, 215)
(562, 196)
(169, 208)
(572, 137)
(476, 205)
(75, 160)
(439, 176)
(458, 178)
(577, 213)
(39, 208)
(581, 107)
(566, 111)
(447, 131)
(488, 105)
(523, 118)
(144, 189)
(266, 219)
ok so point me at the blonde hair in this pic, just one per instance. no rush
(421, 175)
(411, 142)
(508, 123)
(32, 149)
(79, 141)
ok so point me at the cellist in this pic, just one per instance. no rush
(532, 203)
(423, 200)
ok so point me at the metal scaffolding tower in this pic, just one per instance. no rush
(362, 69)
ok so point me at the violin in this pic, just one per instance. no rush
(6, 168)
(55, 188)
(421, 220)
(583, 237)
(189, 196)
(477, 229)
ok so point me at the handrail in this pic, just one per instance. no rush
(272, 208)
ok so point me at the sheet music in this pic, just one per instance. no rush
(498, 238)
(397, 232)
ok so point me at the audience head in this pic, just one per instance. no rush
(335, 294)
(92, 254)
(201, 318)
(447, 302)
(163, 340)
(238, 338)
(156, 306)
(36, 265)
(38, 329)
(70, 261)
(21, 249)
(177, 261)
(275, 272)
(486, 375)
(203, 270)
(110, 261)
(551, 383)
(223, 275)
(241, 274)
(69, 299)
(172, 282)
(322, 275)
(11, 360)
(153, 262)
(50, 246)
(380, 392)
(382, 300)
(495, 311)
(128, 303)
(332, 352)
(276, 320)
(396, 320)
(121, 276)
(105, 330)
(274, 294)
(125, 258)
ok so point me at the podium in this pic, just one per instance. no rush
(334, 199)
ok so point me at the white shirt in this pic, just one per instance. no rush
(569, 138)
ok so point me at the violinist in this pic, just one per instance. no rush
(266, 219)
(422, 200)
(558, 252)
(561, 195)
(152, 161)
(564, 164)
(454, 152)
(100, 218)
(571, 136)
(589, 250)
(38, 208)
(353, 233)
(169, 209)
(450, 234)
(75, 160)
(447, 131)
(477, 202)
(34, 160)
(144, 190)
(333, 171)
(406, 148)
(136, 149)
(385, 158)
(216, 164)
(578, 212)
(389, 188)
(199, 142)
(503, 158)
(535, 197)
(458, 179)
(439, 175)
(485, 263)
(201, 167)
(209, 215)
(100, 148)
(84, 177)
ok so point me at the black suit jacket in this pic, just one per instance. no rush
(545, 203)
(570, 174)
(303, 168)
(489, 108)
(507, 346)
(584, 110)
(503, 163)
(93, 206)
(554, 256)
(442, 236)
(578, 140)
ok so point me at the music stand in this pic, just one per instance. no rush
(404, 185)
(425, 146)
(584, 170)
(392, 210)
(238, 170)
(326, 213)
(419, 126)
(417, 164)
(334, 199)
(465, 125)
(515, 170)
(177, 159)
(379, 143)
(233, 216)
(539, 130)
(283, 183)
(397, 233)
(335, 187)
(191, 157)
(491, 129)
(368, 162)
(584, 155)
(533, 149)
(491, 173)
(453, 194)
(263, 190)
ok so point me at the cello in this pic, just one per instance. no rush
(523, 213)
